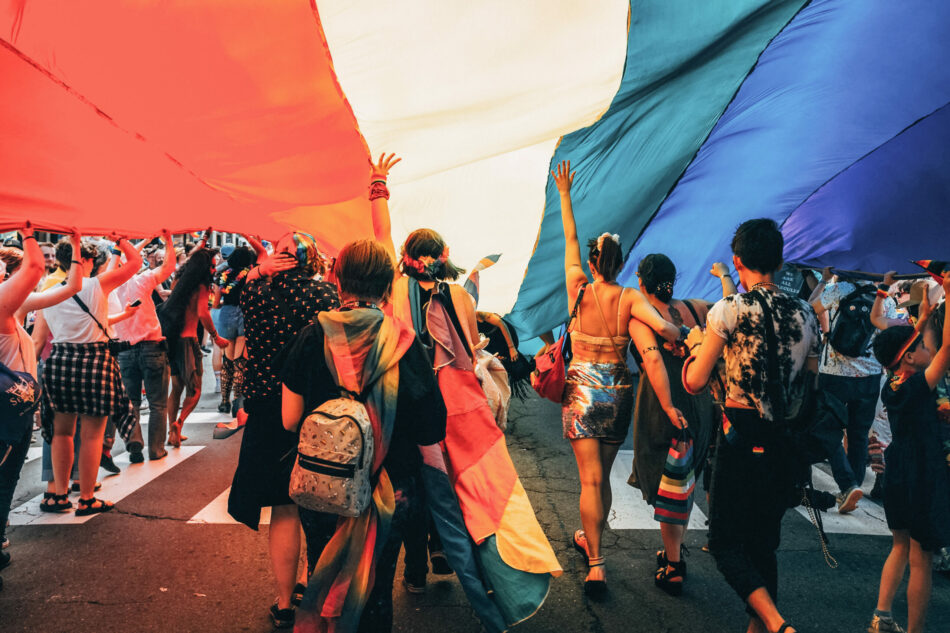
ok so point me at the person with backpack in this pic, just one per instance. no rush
(754, 473)
(356, 361)
(849, 371)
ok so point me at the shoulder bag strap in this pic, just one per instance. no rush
(91, 315)
(773, 378)
(603, 318)
(577, 305)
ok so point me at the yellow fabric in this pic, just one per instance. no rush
(521, 541)
(56, 277)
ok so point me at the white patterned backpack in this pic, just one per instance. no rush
(335, 459)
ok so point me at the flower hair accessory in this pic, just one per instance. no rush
(425, 264)
(612, 236)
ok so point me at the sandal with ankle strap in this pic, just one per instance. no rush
(662, 561)
(60, 503)
(89, 506)
(595, 588)
(670, 578)
(785, 626)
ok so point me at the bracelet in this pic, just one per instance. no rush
(76, 261)
(883, 286)
(881, 294)
(375, 180)
(378, 190)
(694, 346)
(29, 237)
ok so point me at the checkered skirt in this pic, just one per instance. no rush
(84, 378)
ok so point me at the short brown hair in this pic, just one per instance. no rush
(364, 269)
(12, 257)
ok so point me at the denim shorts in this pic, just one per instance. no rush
(229, 322)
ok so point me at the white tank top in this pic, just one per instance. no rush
(16, 351)
(69, 324)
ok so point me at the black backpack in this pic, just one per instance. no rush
(852, 329)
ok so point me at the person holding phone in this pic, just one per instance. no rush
(145, 364)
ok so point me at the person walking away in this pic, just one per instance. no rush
(656, 423)
(360, 349)
(82, 379)
(849, 371)
(598, 397)
(917, 485)
(752, 460)
(280, 298)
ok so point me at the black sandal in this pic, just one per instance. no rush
(662, 561)
(785, 626)
(665, 578)
(88, 506)
(75, 487)
(60, 503)
(296, 596)
(595, 589)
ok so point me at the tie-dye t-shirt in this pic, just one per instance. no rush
(739, 320)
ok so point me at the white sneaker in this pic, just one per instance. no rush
(217, 384)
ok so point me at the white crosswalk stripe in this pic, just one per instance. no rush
(216, 512)
(629, 510)
(133, 477)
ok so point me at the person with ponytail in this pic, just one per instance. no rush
(598, 397)
(657, 417)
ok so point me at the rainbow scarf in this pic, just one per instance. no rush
(363, 348)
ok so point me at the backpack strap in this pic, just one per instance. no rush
(773, 379)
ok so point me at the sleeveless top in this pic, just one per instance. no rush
(601, 343)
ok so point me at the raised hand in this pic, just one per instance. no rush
(563, 177)
(827, 274)
(26, 231)
(207, 235)
(718, 270)
(75, 240)
(278, 262)
(890, 277)
(383, 165)
(925, 309)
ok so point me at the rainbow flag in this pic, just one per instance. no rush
(471, 284)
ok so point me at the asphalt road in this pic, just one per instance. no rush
(168, 559)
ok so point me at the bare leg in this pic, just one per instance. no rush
(61, 450)
(593, 517)
(191, 401)
(893, 572)
(765, 608)
(918, 587)
(672, 540)
(174, 400)
(90, 451)
(284, 540)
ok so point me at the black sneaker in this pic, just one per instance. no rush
(440, 566)
(135, 452)
(224, 407)
(282, 618)
(4, 560)
(415, 586)
(106, 463)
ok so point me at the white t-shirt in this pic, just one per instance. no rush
(69, 324)
(16, 351)
(144, 326)
(740, 321)
(832, 361)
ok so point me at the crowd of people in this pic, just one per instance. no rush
(710, 389)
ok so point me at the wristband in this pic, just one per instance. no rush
(76, 261)
(375, 180)
(881, 294)
(686, 364)
(883, 286)
(378, 189)
(29, 237)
